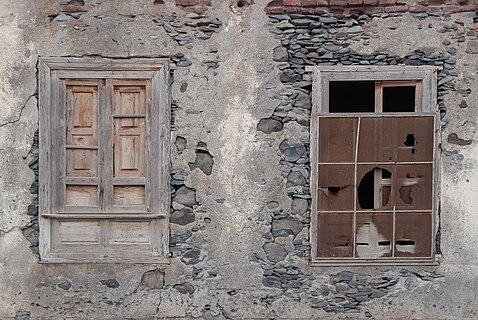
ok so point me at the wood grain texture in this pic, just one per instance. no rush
(106, 116)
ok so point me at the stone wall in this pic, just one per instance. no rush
(240, 215)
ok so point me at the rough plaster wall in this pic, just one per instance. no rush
(223, 86)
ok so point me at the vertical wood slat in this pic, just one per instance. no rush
(317, 104)
(161, 79)
(62, 158)
(45, 178)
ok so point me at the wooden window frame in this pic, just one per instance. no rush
(154, 73)
(426, 105)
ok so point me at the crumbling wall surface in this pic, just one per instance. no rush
(240, 215)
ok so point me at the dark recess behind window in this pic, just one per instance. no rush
(351, 96)
(399, 99)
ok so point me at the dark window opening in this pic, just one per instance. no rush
(351, 96)
(399, 99)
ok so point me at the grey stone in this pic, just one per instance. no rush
(153, 279)
(295, 178)
(271, 281)
(204, 161)
(22, 315)
(183, 216)
(291, 153)
(341, 287)
(192, 256)
(355, 29)
(184, 63)
(65, 285)
(62, 17)
(110, 283)
(328, 20)
(184, 288)
(274, 252)
(463, 104)
(299, 206)
(272, 205)
(454, 139)
(31, 235)
(324, 290)
(472, 47)
(303, 101)
(344, 276)
(185, 196)
(269, 125)
(287, 226)
(377, 294)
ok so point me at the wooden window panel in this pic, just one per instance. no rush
(336, 188)
(374, 234)
(413, 235)
(336, 235)
(112, 152)
(337, 139)
(394, 149)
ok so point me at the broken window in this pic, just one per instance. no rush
(104, 174)
(374, 162)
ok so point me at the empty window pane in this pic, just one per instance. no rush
(399, 99)
(351, 96)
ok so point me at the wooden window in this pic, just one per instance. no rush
(104, 154)
(374, 181)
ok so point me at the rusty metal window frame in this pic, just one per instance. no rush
(425, 79)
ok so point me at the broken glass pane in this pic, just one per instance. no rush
(413, 234)
(413, 187)
(374, 187)
(336, 187)
(374, 235)
(407, 139)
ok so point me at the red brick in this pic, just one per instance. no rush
(352, 3)
(395, 9)
(358, 10)
(321, 10)
(200, 10)
(373, 10)
(463, 2)
(386, 2)
(292, 3)
(338, 3)
(435, 2)
(469, 7)
(309, 3)
(186, 3)
(275, 3)
(290, 10)
(306, 10)
(277, 10)
(434, 9)
(417, 9)
(205, 2)
(370, 2)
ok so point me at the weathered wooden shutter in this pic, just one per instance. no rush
(105, 162)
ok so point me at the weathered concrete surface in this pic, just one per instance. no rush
(224, 265)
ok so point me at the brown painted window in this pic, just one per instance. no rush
(104, 154)
(373, 166)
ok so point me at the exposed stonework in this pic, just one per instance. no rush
(369, 6)
(240, 212)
